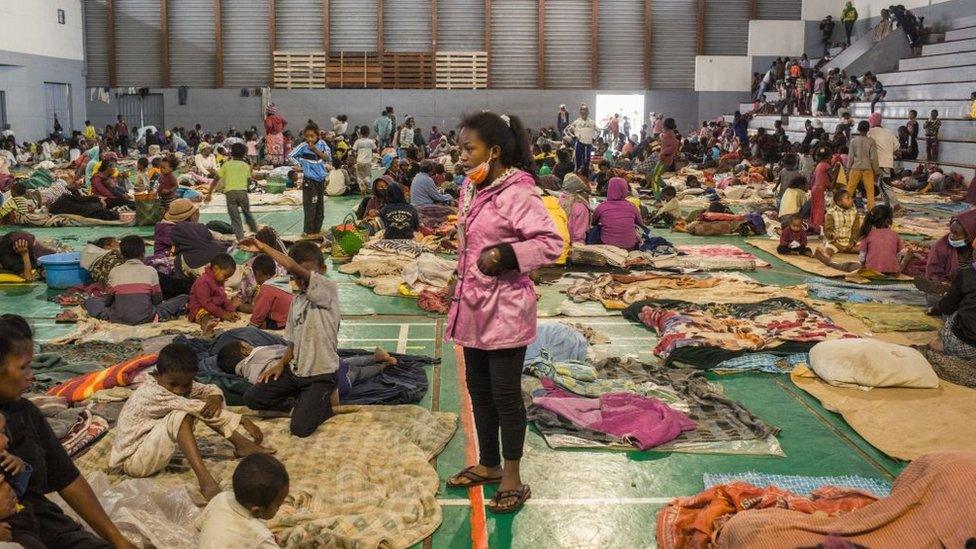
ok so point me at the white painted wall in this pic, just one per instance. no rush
(31, 27)
(731, 73)
(776, 37)
(814, 10)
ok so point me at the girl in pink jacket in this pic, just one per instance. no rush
(505, 233)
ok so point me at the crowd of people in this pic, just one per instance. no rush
(521, 198)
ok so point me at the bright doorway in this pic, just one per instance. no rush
(630, 107)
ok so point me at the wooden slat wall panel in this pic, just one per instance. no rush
(462, 70)
(408, 70)
(354, 70)
(294, 70)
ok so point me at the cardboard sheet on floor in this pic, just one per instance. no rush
(363, 479)
(808, 264)
(902, 423)
(893, 317)
(857, 326)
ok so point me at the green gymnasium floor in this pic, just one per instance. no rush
(581, 498)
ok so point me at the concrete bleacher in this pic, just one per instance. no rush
(941, 78)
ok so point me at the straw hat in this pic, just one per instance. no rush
(180, 209)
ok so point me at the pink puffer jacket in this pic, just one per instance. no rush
(492, 313)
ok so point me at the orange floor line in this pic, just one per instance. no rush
(476, 494)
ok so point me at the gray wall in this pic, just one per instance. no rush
(219, 108)
(22, 79)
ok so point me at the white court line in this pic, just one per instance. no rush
(402, 340)
(463, 502)
(365, 323)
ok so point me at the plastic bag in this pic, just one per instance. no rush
(148, 513)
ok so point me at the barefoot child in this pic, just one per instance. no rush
(158, 419)
(235, 519)
(209, 303)
(305, 377)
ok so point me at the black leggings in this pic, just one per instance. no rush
(494, 381)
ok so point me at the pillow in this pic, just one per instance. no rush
(10, 278)
(871, 363)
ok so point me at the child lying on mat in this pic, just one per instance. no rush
(158, 419)
(235, 519)
(880, 246)
(241, 359)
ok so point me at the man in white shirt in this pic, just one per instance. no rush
(583, 131)
(364, 147)
(887, 143)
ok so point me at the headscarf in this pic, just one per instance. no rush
(875, 119)
(574, 190)
(617, 189)
(271, 110)
(395, 194)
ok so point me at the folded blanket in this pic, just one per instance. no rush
(120, 375)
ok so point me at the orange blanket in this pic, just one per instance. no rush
(84, 386)
(696, 521)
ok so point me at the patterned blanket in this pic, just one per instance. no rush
(362, 480)
(733, 326)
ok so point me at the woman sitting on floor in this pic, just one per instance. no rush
(958, 335)
(617, 218)
(948, 254)
(400, 218)
(33, 443)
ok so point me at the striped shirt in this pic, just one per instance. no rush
(15, 204)
(133, 292)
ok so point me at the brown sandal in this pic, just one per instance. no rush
(472, 478)
(520, 495)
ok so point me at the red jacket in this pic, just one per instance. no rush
(209, 295)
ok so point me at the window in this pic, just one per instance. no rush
(60, 17)
(3, 110)
(58, 103)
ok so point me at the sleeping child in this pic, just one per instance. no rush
(242, 359)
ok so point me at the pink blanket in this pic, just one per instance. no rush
(643, 422)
